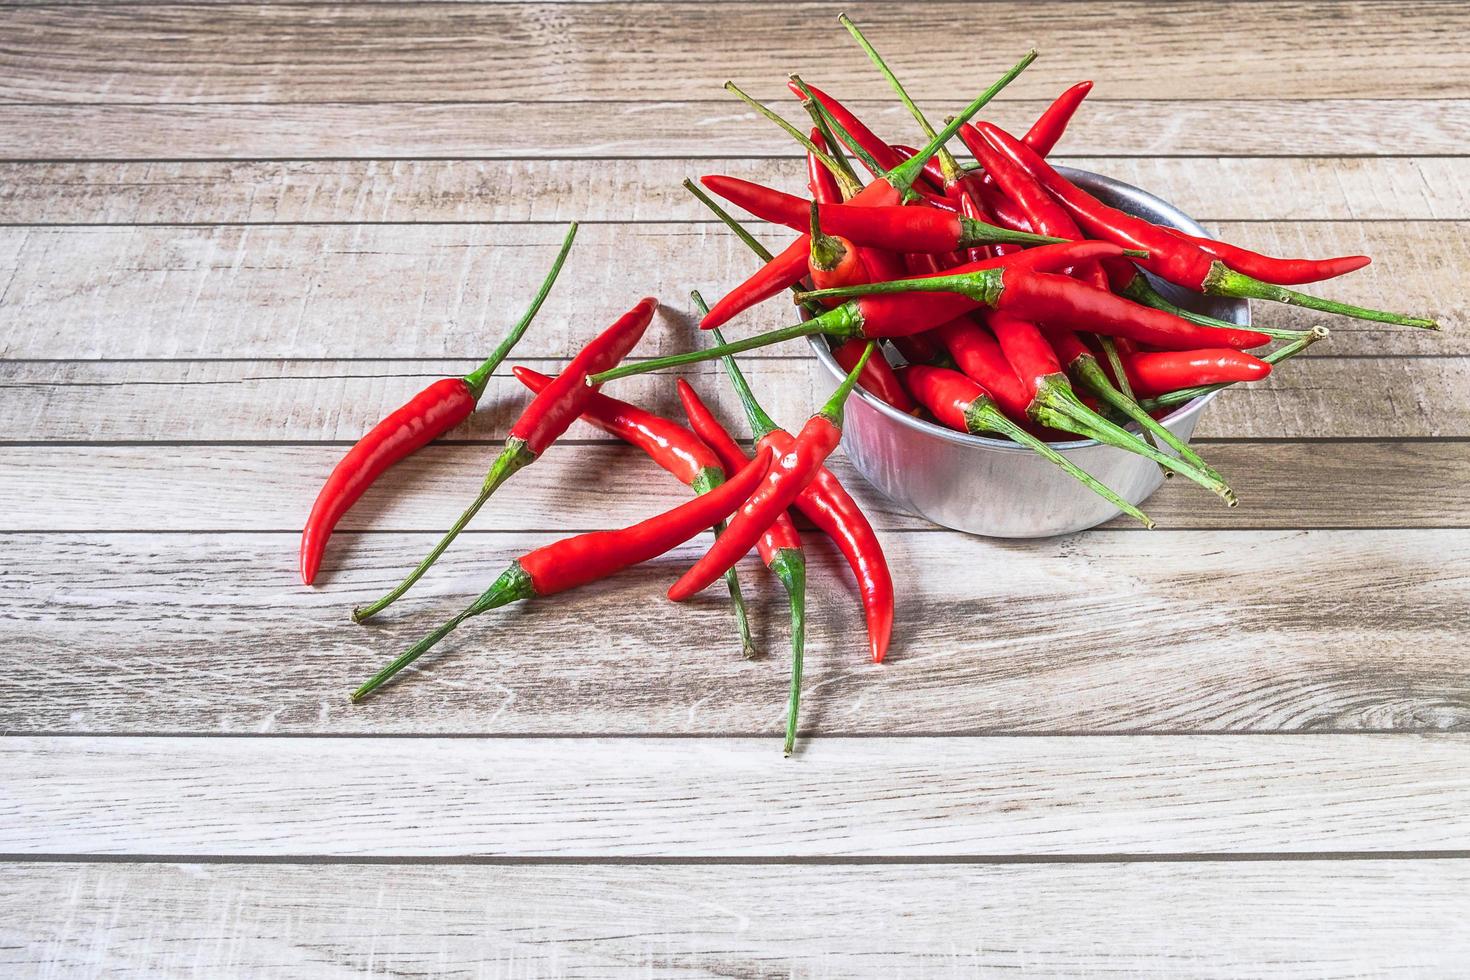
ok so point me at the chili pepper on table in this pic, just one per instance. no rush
(894, 227)
(673, 447)
(428, 415)
(540, 424)
(828, 505)
(1172, 258)
(1054, 403)
(1275, 357)
(584, 558)
(788, 477)
(779, 547)
(1159, 372)
(1083, 366)
(960, 403)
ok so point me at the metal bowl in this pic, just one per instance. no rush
(993, 486)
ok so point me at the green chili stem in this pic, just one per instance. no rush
(848, 326)
(1093, 377)
(1140, 290)
(819, 120)
(984, 416)
(789, 566)
(760, 422)
(513, 457)
(849, 184)
(512, 585)
(947, 163)
(832, 411)
(1225, 281)
(477, 379)
(1110, 351)
(983, 287)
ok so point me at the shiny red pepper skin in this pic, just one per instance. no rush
(1027, 350)
(1283, 272)
(666, 442)
(1049, 126)
(877, 377)
(819, 180)
(782, 534)
(864, 138)
(787, 269)
(788, 476)
(946, 394)
(425, 417)
(557, 405)
(982, 361)
(1155, 373)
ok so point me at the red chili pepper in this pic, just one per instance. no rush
(428, 415)
(672, 447)
(877, 378)
(789, 476)
(828, 505)
(834, 261)
(1052, 123)
(1284, 272)
(1179, 261)
(819, 179)
(1183, 395)
(1154, 373)
(1054, 403)
(875, 153)
(978, 355)
(779, 547)
(896, 228)
(585, 558)
(542, 422)
(961, 404)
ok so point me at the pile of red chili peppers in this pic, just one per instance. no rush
(994, 297)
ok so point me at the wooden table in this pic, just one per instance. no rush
(236, 235)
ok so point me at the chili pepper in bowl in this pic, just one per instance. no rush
(833, 261)
(779, 546)
(877, 377)
(1172, 258)
(540, 424)
(427, 416)
(961, 404)
(1158, 372)
(828, 505)
(584, 558)
(1275, 357)
(673, 447)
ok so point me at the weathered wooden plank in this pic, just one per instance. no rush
(1104, 632)
(296, 291)
(1217, 919)
(310, 401)
(245, 53)
(153, 192)
(734, 797)
(1220, 126)
(270, 488)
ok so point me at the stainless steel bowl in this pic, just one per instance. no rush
(992, 486)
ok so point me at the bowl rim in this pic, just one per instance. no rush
(1176, 217)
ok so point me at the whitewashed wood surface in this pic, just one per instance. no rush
(234, 235)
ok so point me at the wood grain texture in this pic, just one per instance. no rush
(294, 291)
(244, 53)
(337, 401)
(1208, 794)
(712, 125)
(270, 488)
(1211, 920)
(421, 191)
(1100, 632)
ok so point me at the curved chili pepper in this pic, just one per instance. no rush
(960, 403)
(540, 424)
(584, 558)
(673, 447)
(896, 309)
(427, 416)
(1054, 403)
(978, 355)
(1084, 367)
(1275, 357)
(874, 152)
(1052, 123)
(1177, 260)
(894, 227)
(877, 378)
(828, 505)
(1283, 272)
(789, 475)
(779, 547)
(1154, 373)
